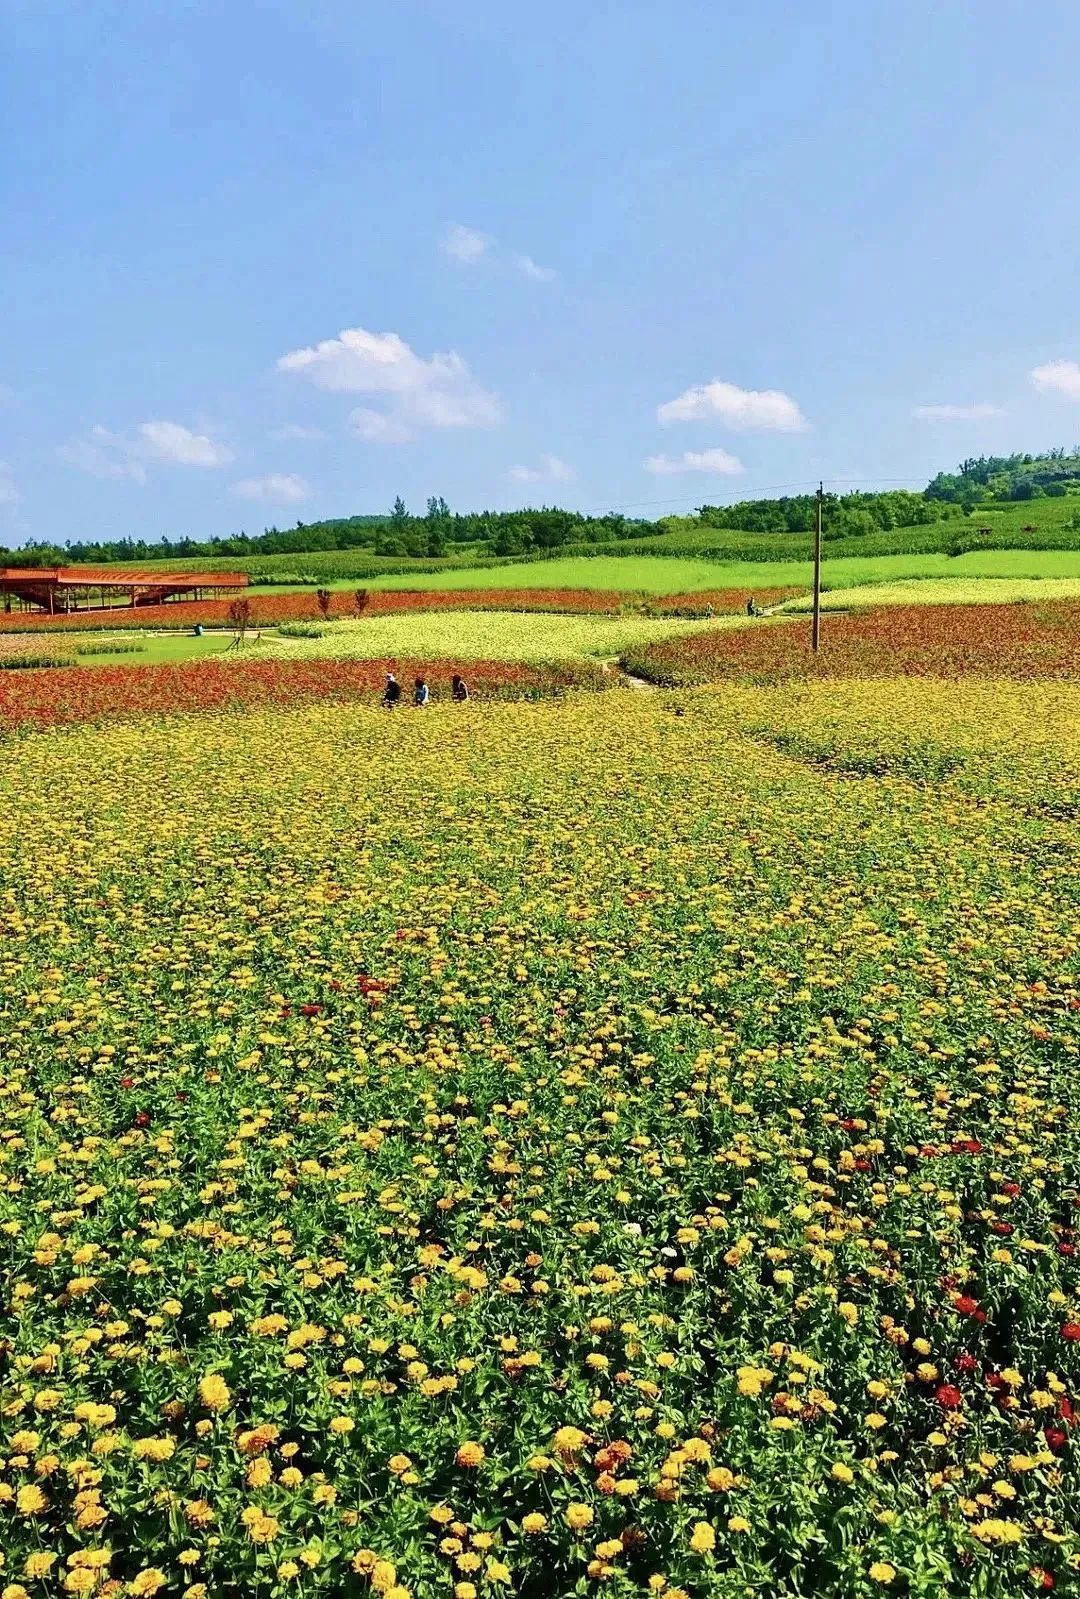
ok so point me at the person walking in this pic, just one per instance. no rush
(421, 694)
(459, 689)
(392, 692)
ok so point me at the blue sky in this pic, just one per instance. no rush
(609, 254)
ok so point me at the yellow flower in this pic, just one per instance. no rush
(534, 1522)
(30, 1501)
(157, 1449)
(578, 1516)
(703, 1538)
(147, 1582)
(738, 1524)
(469, 1455)
(882, 1572)
(384, 1576)
(568, 1443)
(38, 1565)
(842, 1473)
(214, 1392)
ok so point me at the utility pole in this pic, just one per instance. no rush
(815, 636)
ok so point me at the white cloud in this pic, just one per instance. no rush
(533, 269)
(9, 493)
(289, 432)
(956, 413)
(169, 441)
(282, 488)
(549, 470)
(374, 427)
(464, 244)
(769, 410)
(1058, 377)
(437, 392)
(113, 455)
(717, 461)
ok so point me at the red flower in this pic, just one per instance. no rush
(310, 1010)
(1041, 1577)
(966, 1146)
(142, 1118)
(1068, 1250)
(948, 1397)
(966, 1362)
(1066, 1411)
(127, 1082)
(1071, 1332)
(1012, 1189)
(1055, 1438)
(964, 1305)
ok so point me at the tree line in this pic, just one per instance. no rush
(439, 531)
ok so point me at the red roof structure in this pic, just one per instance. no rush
(60, 590)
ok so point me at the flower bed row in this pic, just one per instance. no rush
(53, 698)
(267, 610)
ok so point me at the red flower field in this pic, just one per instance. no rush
(51, 698)
(1019, 640)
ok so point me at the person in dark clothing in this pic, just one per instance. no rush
(421, 693)
(751, 608)
(459, 689)
(392, 691)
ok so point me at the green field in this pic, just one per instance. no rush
(671, 575)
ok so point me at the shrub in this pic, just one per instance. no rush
(106, 646)
(304, 629)
(17, 663)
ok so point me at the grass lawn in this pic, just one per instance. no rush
(157, 647)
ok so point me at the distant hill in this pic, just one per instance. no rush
(985, 478)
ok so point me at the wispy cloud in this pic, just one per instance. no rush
(179, 446)
(765, 410)
(532, 269)
(956, 413)
(281, 488)
(470, 248)
(464, 244)
(374, 427)
(1058, 377)
(295, 432)
(9, 492)
(106, 454)
(550, 469)
(718, 462)
(436, 391)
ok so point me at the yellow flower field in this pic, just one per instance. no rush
(545, 1149)
(486, 635)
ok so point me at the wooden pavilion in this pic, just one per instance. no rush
(61, 590)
